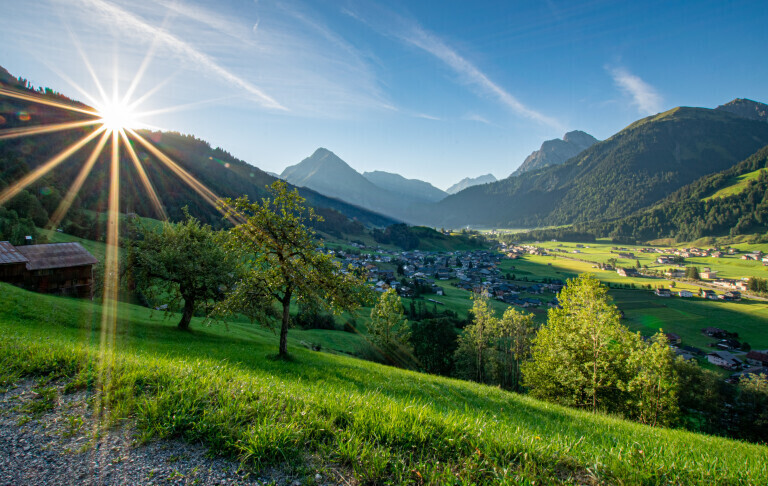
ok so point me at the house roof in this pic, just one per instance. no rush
(10, 255)
(757, 355)
(56, 255)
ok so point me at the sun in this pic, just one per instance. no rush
(117, 116)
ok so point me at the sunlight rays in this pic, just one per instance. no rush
(42, 129)
(69, 198)
(154, 198)
(36, 174)
(185, 176)
(39, 99)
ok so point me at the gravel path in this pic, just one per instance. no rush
(51, 438)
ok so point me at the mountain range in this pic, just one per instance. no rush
(631, 170)
(626, 174)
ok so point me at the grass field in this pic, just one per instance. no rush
(647, 313)
(380, 424)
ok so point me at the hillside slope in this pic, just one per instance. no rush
(631, 170)
(377, 423)
(730, 202)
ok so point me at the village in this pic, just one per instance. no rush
(415, 273)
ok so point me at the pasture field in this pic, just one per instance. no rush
(219, 386)
(647, 313)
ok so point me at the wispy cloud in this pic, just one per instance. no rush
(122, 19)
(410, 32)
(644, 96)
(427, 117)
(477, 118)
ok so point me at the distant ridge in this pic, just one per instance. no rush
(469, 182)
(396, 183)
(557, 151)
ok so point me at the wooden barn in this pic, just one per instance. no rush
(57, 268)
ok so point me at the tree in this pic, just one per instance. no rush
(477, 337)
(388, 327)
(637, 264)
(282, 262)
(434, 342)
(514, 333)
(752, 408)
(655, 382)
(184, 261)
(692, 273)
(579, 357)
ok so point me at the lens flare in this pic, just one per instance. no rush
(117, 116)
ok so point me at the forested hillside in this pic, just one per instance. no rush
(692, 212)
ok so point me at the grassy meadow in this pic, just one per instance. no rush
(219, 385)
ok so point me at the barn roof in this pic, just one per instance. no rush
(9, 254)
(56, 255)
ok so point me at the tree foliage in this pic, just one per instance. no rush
(654, 387)
(388, 327)
(282, 262)
(434, 342)
(477, 338)
(580, 356)
(513, 342)
(181, 262)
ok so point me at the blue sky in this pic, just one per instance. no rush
(435, 90)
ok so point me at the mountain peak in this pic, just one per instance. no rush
(557, 151)
(745, 108)
(469, 182)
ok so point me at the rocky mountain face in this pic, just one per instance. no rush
(469, 182)
(753, 110)
(557, 151)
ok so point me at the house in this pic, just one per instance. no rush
(758, 358)
(708, 274)
(709, 294)
(57, 268)
(686, 294)
(724, 359)
(663, 293)
(627, 272)
(673, 338)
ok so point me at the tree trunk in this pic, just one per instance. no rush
(186, 316)
(286, 301)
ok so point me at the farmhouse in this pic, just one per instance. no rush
(686, 294)
(58, 268)
(724, 359)
(663, 292)
(627, 272)
(759, 358)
